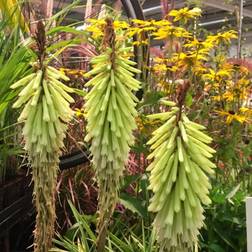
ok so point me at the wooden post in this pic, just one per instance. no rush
(47, 7)
(88, 12)
(240, 22)
(249, 223)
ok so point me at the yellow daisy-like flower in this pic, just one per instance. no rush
(244, 70)
(159, 68)
(161, 23)
(79, 113)
(222, 37)
(97, 26)
(141, 42)
(120, 25)
(231, 116)
(199, 69)
(140, 22)
(171, 32)
(190, 58)
(173, 68)
(243, 82)
(245, 110)
(158, 60)
(203, 47)
(193, 43)
(228, 96)
(132, 31)
(185, 14)
(217, 76)
(69, 71)
(97, 32)
(96, 21)
(216, 98)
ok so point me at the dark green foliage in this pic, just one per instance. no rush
(225, 229)
(14, 64)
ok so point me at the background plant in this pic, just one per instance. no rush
(226, 212)
(15, 56)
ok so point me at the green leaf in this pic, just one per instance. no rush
(152, 98)
(219, 197)
(122, 246)
(233, 192)
(63, 45)
(133, 204)
(216, 248)
(188, 100)
(128, 180)
(82, 221)
(225, 238)
(67, 29)
(80, 92)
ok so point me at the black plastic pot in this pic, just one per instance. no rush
(16, 208)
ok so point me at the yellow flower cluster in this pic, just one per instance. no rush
(192, 54)
(187, 56)
(230, 84)
(162, 29)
